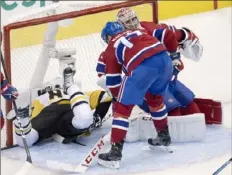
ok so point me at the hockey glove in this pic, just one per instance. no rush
(177, 67)
(8, 91)
(174, 55)
(97, 122)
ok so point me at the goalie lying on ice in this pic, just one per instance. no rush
(61, 113)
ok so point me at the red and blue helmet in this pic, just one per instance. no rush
(111, 29)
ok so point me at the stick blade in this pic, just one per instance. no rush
(81, 168)
(24, 170)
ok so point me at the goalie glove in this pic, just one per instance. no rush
(190, 45)
(192, 50)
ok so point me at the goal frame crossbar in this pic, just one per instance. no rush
(57, 17)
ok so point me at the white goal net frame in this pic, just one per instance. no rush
(52, 15)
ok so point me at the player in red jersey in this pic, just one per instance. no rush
(179, 99)
(138, 55)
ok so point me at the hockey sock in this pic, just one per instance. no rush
(120, 123)
(159, 118)
(119, 129)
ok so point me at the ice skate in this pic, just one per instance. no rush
(163, 139)
(113, 157)
(68, 74)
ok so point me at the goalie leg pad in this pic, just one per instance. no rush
(185, 128)
(211, 109)
(134, 130)
(141, 128)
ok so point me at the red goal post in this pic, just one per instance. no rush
(7, 36)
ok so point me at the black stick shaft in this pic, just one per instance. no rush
(29, 159)
(222, 167)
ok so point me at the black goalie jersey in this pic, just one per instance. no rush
(52, 113)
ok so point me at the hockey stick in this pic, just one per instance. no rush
(222, 167)
(29, 159)
(88, 159)
(86, 162)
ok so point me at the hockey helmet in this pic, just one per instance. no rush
(128, 18)
(111, 29)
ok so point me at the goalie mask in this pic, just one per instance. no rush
(128, 18)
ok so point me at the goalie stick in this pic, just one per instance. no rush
(28, 163)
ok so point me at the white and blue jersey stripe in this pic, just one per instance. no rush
(159, 34)
(160, 114)
(113, 80)
(120, 123)
(123, 44)
(100, 68)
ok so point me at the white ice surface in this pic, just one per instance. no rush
(211, 78)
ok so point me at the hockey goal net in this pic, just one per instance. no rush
(77, 25)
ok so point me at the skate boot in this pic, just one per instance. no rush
(68, 77)
(113, 157)
(163, 139)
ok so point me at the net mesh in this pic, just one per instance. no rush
(60, 8)
(83, 35)
(23, 46)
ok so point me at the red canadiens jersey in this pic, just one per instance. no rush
(125, 52)
(159, 30)
(101, 64)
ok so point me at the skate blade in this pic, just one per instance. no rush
(153, 147)
(109, 164)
